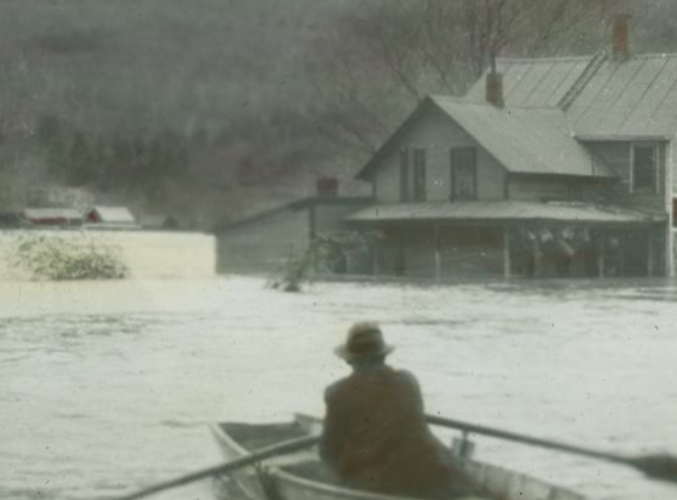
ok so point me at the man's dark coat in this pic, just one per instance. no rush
(376, 438)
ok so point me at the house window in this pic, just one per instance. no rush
(419, 175)
(404, 175)
(644, 172)
(463, 174)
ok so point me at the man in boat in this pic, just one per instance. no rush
(375, 434)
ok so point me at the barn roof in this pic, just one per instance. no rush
(69, 214)
(119, 215)
(502, 210)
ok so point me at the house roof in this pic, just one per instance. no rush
(523, 140)
(553, 105)
(536, 83)
(117, 215)
(300, 204)
(633, 99)
(52, 214)
(603, 99)
(502, 210)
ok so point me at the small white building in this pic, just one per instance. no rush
(101, 217)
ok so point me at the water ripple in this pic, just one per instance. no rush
(113, 387)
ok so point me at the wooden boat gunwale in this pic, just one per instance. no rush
(311, 484)
(272, 471)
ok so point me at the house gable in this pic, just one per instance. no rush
(429, 128)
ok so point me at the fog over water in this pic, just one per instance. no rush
(109, 386)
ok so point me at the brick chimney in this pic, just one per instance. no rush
(621, 38)
(327, 187)
(495, 89)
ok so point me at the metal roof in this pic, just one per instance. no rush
(498, 211)
(525, 140)
(539, 83)
(603, 99)
(117, 215)
(303, 203)
(633, 99)
(552, 103)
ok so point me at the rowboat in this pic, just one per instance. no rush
(302, 475)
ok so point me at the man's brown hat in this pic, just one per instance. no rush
(364, 339)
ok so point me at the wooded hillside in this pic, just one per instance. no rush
(209, 109)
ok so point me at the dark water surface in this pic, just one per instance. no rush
(106, 387)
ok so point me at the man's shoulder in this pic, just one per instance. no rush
(334, 388)
(406, 376)
(349, 383)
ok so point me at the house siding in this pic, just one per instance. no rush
(436, 133)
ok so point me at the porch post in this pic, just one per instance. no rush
(600, 253)
(669, 165)
(375, 247)
(507, 270)
(438, 256)
(670, 252)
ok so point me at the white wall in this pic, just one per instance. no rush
(147, 254)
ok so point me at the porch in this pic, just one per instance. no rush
(512, 239)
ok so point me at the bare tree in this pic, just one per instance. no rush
(470, 34)
(384, 58)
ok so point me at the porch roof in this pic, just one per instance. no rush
(500, 211)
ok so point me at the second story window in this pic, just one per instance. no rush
(644, 168)
(463, 174)
(419, 175)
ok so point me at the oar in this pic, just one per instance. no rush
(270, 451)
(660, 466)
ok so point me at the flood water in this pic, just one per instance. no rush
(109, 386)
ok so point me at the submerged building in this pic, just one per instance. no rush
(268, 240)
(547, 167)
